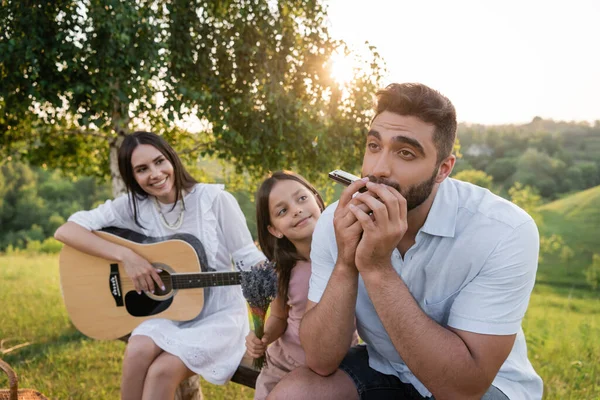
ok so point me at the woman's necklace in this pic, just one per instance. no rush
(166, 223)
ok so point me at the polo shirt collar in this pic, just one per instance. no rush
(441, 220)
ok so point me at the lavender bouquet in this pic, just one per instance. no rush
(259, 286)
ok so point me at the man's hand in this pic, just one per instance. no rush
(383, 230)
(348, 229)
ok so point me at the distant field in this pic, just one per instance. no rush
(577, 219)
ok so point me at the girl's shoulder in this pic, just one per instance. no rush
(301, 268)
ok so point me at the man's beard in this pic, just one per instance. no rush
(415, 195)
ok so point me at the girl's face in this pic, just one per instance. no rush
(153, 172)
(293, 210)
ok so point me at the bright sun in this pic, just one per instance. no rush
(342, 68)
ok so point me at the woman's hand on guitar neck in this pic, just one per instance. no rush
(141, 272)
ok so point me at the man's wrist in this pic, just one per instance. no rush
(377, 271)
(346, 269)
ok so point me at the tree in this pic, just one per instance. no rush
(590, 173)
(539, 170)
(501, 169)
(592, 273)
(2, 191)
(475, 177)
(78, 76)
(35, 202)
(528, 199)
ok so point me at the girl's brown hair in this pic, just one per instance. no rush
(281, 251)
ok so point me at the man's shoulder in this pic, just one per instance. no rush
(324, 231)
(330, 210)
(482, 203)
(325, 222)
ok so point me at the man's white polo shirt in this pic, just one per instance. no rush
(472, 267)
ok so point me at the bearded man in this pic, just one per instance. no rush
(435, 273)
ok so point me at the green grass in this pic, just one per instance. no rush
(577, 219)
(562, 327)
(59, 361)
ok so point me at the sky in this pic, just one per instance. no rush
(497, 61)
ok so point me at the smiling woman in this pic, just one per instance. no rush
(164, 200)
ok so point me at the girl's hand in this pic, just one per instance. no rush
(256, 347)
(141, 272)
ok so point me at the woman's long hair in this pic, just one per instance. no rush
(281, 251)
(183, 180)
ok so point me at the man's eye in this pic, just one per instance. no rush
(406, 154)
(372, 146)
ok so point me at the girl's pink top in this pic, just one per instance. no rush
(297, 297)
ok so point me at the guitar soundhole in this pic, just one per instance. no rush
(166, 278)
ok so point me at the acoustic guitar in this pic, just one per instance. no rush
(101, 300)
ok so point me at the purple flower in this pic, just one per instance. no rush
(259, 285)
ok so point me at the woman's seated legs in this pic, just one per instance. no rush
(164, 375)
(140, 352)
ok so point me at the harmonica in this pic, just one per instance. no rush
(345, 178)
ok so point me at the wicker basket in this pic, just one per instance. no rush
(13, 393)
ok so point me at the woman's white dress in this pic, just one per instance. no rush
(212, 344)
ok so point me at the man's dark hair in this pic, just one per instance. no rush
(430, 106)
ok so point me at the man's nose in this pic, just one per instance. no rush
(382, 167)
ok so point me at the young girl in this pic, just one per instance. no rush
(163, 199)
(287, 209)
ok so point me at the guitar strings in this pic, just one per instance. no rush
(180, 281)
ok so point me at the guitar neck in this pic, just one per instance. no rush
(205, 279)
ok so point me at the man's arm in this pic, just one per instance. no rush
(450, 362)
(327, 327)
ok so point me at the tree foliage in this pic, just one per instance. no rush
(555, 158)
(35, 202)
(592, 273)
(255, 76)
(528, 199)
(476, 177)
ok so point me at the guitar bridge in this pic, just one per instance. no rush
(114, 283)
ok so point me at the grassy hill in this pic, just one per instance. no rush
(577, 219)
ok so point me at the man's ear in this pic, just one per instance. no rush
(445, 168)
(275, 232)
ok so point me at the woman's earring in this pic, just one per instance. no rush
(280, 236)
